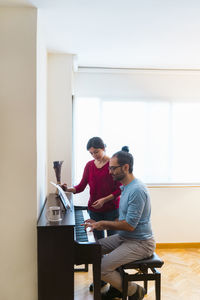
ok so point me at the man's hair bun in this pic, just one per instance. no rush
(125, 148)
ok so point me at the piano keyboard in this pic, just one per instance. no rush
(81, 234)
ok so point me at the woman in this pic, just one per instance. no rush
(103, 203)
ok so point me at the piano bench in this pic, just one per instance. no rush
(143, 266)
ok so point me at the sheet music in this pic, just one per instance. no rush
(62, 195)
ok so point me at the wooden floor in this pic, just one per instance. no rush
(180, 277)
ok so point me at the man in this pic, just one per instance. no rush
(134, 239)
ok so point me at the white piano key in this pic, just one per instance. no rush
(90, 234)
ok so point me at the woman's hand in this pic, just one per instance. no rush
(98, 203)
(66, 189)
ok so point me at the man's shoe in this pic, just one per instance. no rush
(111, 294)
(139, 294)
(91, 287)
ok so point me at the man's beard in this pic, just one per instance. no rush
(119, 176)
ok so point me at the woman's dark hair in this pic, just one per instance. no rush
(124, 157)
(96, 142)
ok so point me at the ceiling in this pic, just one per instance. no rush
(122, 33)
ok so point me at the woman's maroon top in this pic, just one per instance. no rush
(101, 185)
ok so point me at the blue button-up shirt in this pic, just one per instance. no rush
(135, 209)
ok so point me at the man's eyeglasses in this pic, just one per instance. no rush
(113, 168)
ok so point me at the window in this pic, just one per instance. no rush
(163, 136)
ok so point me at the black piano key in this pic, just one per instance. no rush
(81, 234)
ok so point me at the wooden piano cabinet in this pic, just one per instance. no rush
(55, 264)
(58, 251)
(55, 250)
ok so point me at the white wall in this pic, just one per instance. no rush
(18, 154)
(41, 116)
(59, 116)
(175, 214)
(139, 84)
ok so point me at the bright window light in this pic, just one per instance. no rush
(161, 135)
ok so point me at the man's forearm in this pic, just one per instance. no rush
(113, 225)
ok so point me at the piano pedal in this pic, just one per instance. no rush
(85, 269)
(91, 287)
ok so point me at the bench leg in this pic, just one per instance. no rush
(124, 287)
(145, 281)
(157, 286)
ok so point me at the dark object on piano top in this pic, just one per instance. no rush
(57, 167)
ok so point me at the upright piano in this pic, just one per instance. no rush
(59, 249)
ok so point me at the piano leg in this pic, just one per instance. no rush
(90, 253)
(97, 280)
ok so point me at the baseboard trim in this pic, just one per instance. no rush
(177, 245)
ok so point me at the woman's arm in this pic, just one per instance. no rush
(81, 186)
(84, 181)
(117, 190)
(100, 202)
